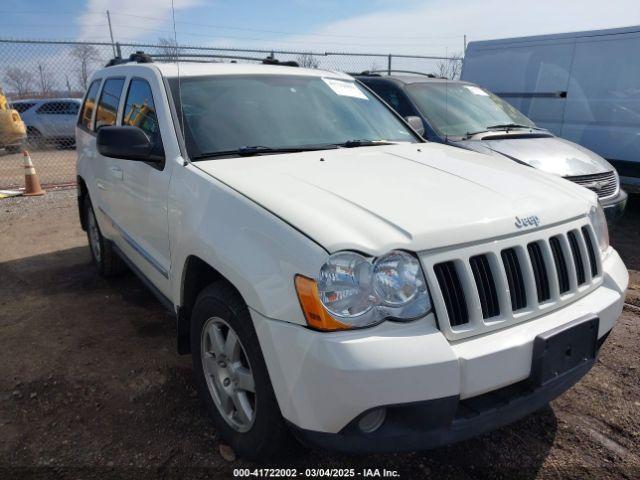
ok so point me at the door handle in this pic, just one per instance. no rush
(116, 172)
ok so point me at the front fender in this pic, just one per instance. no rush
(253, 249)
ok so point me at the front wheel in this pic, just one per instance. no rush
(231, 374)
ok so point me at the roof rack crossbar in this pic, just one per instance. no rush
(186, 56)
(142, 57)
(369, 72)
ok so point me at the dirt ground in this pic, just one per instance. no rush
(92, 387)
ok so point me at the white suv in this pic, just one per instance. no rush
(332, 274)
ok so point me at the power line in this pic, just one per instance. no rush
(227, 27)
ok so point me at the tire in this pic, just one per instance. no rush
(219, 308)
(106, 260)
(13, 149)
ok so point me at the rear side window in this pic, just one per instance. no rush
(89, 105)
(139, 109)
(22, 107)
(58, 108)
(109, 100)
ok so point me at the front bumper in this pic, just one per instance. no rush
(614, 206)
(325, 382)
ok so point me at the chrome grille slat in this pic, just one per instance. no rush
(604, 184)
(479, 288)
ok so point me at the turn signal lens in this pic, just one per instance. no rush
(314, 312)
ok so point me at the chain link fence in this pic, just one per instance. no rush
(44, 81)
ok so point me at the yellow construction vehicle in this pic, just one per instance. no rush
(12, 129)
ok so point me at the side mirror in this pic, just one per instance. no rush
(127, 143)
(415, 123)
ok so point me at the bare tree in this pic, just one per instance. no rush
(169, 48)
(19, 80)
(451, 67)
(87, 55)
(45, 81)
(307, 61)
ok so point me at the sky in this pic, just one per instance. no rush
(429, 27)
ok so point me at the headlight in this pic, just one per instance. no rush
(599, 224)
(356, 291)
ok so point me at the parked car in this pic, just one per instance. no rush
(464, 115)
(582, 86)
(12, 128)
(331, 273)
(50, 122)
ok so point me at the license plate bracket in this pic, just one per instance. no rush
(563, 349)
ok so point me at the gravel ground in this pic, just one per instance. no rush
(91, 386)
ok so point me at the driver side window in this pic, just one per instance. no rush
(139, 109)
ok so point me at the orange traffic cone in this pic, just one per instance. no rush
(31, 181)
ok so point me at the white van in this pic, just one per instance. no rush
(582, 86)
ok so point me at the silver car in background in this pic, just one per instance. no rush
(50, 122)
(465, 115)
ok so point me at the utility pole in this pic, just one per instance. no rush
(465, 44)
(113, 45)
(43, 86)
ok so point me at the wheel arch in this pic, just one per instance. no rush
(196, 275)
(83, 195)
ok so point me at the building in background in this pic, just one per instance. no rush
(582, 86)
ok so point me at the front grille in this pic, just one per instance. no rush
(539, 272)
(508, 281)
(577, 257)
(591, 251)
(453, 293)
(514, 278)
(561, 264)
(604, 184)
(486, 286)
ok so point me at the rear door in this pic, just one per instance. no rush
(107, 172)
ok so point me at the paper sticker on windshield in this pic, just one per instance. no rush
(345, 88)
(476, 91)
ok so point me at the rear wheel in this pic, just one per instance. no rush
(106, 260)
(231, 374)
(13, 149)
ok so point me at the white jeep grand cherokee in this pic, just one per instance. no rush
(331, 273)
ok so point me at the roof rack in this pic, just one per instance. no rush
(376, 73)
(142, 57)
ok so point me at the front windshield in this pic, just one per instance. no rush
(456, 109)
(224, 113)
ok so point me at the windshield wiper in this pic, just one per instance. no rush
(501, 126)
(361, 143)
(259, 150)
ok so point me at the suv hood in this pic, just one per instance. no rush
(411, 196)
(551, 154)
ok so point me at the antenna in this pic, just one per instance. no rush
(446, 94)
(175, 40)
(113, 45)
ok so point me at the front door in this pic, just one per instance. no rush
(140, 201)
